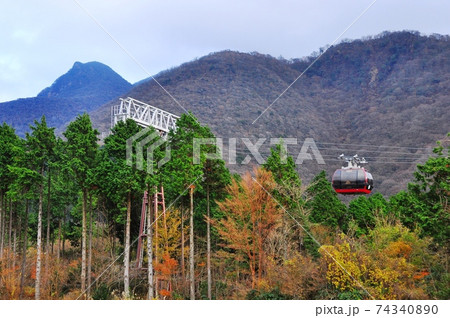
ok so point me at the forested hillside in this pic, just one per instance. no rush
(71, 206)
(82, 89)
(70, 214)
(385, 98)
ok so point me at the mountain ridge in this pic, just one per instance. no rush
(384, 97)
(83, 88)
(391, 90)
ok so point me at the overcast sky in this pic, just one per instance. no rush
(41, 39)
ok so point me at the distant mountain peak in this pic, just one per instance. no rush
(90, 65)
(83, 88)
(84, 79)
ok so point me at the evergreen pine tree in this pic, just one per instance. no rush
(81, 150)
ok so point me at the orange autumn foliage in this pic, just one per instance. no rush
(250, 216)
(165, 293)
(167, 267)
(54, 277)
(398, 249)
(165, 272)
(421, 275)
(10, 279)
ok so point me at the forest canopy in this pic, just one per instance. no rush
(71, 211)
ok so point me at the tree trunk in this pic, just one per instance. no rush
(155, 211)
(47, 246)
(59, 239)
(150, 246)
(83, 244)
(126, 259)
(260, 247)
(208, 243)
(10, 226)
(24, 251)
(14, 248)
(183, 275)
(47, 249)
(17, 232)
(252, 270)
(89, 266)
(39, 242)
(4, 225)
(113, 240)
(63, 234)
(1, 223)
(2, 212)
(191, 246)
(166, 234)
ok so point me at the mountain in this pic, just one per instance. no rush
(384, 97)
(83, 88)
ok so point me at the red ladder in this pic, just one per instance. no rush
(157, 199)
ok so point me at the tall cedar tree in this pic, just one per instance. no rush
(282, 166)
(426, 203)
(9, 148)
(364, 210)
(81, 150)
(25, 178)
(121, 182)
(290, 195)
(64, 192)
(326, 208)
(40, 144)
(181, 172)
(153, 181)
(216, 178)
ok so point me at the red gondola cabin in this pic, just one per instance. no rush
(354, 180)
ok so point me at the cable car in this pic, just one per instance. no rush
(352, 179)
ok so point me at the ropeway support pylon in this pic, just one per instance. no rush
(158, 204)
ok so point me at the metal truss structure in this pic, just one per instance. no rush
(143, 114)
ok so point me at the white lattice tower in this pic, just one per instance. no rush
(143, 114)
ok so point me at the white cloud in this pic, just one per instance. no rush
(27, 36)
(10, 68)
